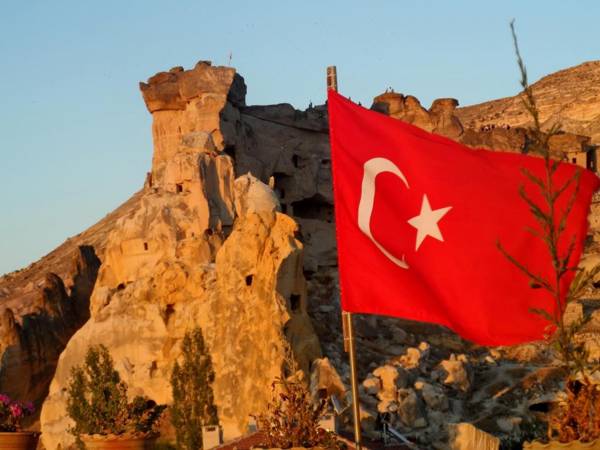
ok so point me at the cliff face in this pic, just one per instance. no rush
(570, 96)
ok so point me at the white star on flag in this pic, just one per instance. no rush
(426, 222)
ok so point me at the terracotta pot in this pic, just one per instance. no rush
(555, 445)
(19, 440)
(99, 442)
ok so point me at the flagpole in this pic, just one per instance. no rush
(349, 339)
(347, 325)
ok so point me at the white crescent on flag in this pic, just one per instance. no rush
(426, 222)
(372, 168)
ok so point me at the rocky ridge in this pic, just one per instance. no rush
(570, 97)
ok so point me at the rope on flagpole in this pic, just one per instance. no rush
(347, 325)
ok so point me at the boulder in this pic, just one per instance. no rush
(433, 396)
(253, 196)
(368, 424)
(413, 357)
(372, 384)
(454, 373)
(325, 379)
(464, 436)
(410, 409)
(388, 375)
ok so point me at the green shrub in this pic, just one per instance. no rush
(193, 404)
(97, 400)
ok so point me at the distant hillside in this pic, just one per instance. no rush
(570, 96)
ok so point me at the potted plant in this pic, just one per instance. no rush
(103, 416)
(12, 414)
(573, 423)
(292, 417)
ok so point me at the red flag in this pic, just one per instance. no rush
(418, 218)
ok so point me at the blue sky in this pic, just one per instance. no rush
(75, 138)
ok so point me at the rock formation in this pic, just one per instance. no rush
(439, 119)
(442, 118)
(201, 249)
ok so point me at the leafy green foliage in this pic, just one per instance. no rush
(97, 400)
(193, 403)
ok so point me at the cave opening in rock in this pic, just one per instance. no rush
(542, 407)
(590, 159)
(295, 302)
(179, 188)
(315, 207)
(249, 280)
(168, 312)
(281, 182)
(230, 151)
(145, 246)
(153, 368)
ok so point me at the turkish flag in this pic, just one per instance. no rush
(418, 219)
